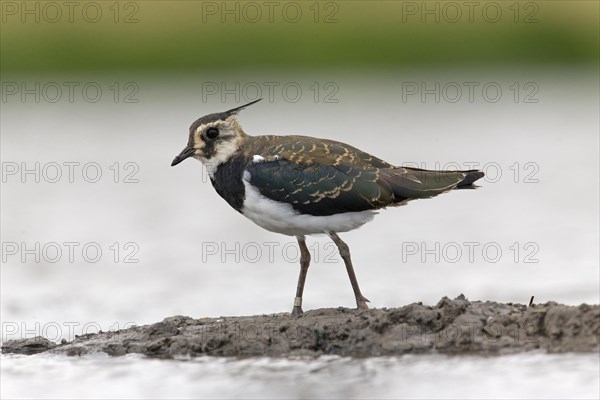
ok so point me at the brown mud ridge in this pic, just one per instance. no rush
(456, 326)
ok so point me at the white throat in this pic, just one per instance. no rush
(225, 151)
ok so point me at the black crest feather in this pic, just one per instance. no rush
(219, 116)
(240, 108)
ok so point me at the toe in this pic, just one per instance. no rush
(297, 311)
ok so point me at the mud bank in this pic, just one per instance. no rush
(456, 326)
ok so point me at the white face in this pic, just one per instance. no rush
(215, 142)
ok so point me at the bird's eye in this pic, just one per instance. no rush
(212, 133)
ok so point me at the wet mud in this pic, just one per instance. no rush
(457, 326)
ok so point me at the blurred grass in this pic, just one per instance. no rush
(172, 36)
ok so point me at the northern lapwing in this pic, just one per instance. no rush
(300, 185)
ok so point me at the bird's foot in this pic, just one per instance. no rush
(361, 303)
(297, 311)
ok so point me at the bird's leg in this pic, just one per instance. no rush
(361, 301)
(304, 263)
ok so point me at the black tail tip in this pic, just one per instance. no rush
(472, 176)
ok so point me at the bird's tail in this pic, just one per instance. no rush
(472, 175)
(414, 183)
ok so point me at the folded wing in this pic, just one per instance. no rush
(319, 189)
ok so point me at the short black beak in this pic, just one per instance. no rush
(187, 152)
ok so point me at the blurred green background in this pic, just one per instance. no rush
(170, 36)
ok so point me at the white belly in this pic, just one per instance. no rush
(281, 218)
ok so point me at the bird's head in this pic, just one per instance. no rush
(214, 138)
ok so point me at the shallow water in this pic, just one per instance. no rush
(424, 376)
(169, 245)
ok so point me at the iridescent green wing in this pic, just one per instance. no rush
(318, 189)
